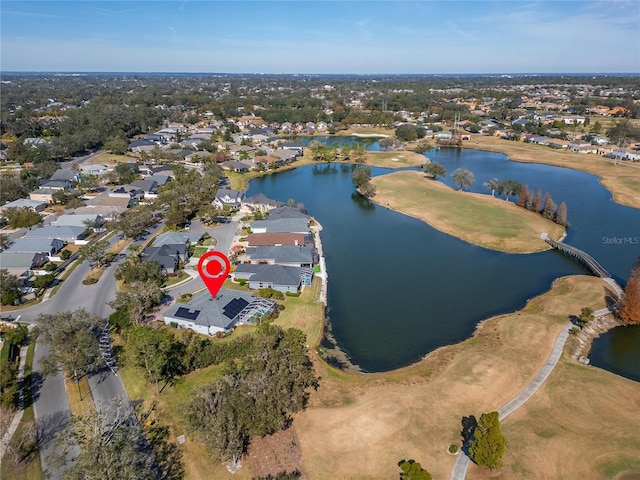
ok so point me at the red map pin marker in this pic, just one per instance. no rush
(214, 268)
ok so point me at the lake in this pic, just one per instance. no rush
(399, 289)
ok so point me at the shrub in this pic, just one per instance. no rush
(453, 448)
(65, 254)
(293, 294)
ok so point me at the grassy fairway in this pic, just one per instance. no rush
(623, 181)
(373, 421)
(395, 159)
(478, 219)
(110, 159)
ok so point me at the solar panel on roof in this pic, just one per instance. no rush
(187, 314)
(234, 307)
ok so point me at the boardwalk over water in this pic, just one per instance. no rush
(583, 257)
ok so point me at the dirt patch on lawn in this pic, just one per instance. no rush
(274, 454)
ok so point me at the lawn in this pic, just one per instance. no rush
(110, 159)
(479, 219)
(305, 313)
(623, 181)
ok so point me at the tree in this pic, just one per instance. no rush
(492, 185)
(138, 300)
(368, 190)
(361, 176)
(435, 170)
(561, 215)
(359, 154)
(628, 309)
(9, 288)
(21, 217)
(44, 281)
(510, 187)
(536, 202)
(117, 145)
(586, 316)
(549, 209)
(256, 396)
(463, 178)
(115, 445)
(487, 445)
(95, 252)
(73, 337)
(412, 470)
(126, 172)
(524, 197)
(134, 270)
(156, 352)
(409, 133)
(385, 142)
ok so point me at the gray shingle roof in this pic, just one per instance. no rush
(282, 254)
(208, 311)
(295, 225)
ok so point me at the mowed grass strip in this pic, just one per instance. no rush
(478, 219)
(622, 180)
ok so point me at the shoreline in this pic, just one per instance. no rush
(629, 199)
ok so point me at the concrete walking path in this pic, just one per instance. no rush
(462, 462)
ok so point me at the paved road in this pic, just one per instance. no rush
(51, 405)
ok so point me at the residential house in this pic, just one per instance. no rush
(160, 179)
(43, 195)
(285, 211)
(142, 145)
(277, 239)
(234, 166)
(94, 169)
(66, 175)
(148, 187)
(282, 278)
(35, 205)
(168, 256)
(227, 197)
(287, 255)
(81, 220)
(261, 203)
(280, 225)
(22, 264)
(177, 238)
(268, 161)
(106, 202)
(56, 185)
(47, 246)
(69, 234)
(286, 155)
(212, 315)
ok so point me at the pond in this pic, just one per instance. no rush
(399, 289)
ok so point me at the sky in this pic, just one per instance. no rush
(321, 37)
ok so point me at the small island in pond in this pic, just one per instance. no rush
(475, 218)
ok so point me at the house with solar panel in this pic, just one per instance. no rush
(209, 316)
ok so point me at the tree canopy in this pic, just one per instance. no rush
(487, 446)
(463, 178)
(255, 396)
(73, 337)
